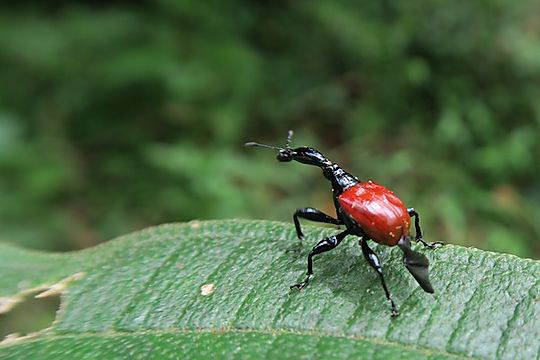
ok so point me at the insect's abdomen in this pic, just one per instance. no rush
(379, 212)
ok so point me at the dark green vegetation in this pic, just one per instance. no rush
(141, 296)
(118, 115)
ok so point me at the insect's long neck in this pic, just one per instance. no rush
(340, 179)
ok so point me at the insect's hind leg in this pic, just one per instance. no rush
(375, 263)
(312, 214)
(324, 245)
(418, 236)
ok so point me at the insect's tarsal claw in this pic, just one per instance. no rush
(432, 245)
(303, 284)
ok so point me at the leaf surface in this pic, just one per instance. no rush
(140, 296)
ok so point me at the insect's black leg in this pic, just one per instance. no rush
(375, 263)
(312, 214)
(418, 236)
(324, 245)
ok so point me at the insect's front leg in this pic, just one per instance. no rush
(324, 245)
(312, 214)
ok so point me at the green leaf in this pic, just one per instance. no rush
(140, 296)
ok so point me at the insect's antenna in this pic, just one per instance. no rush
(289, 138)
(251, 143)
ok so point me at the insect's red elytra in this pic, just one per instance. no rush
(379, 212)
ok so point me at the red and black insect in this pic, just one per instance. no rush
(367, 210)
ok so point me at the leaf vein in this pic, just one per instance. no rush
(511, 319)
(463, 314)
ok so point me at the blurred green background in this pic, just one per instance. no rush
(117, 115)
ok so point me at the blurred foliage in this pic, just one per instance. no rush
(118, 115)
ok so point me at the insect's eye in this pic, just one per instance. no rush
(284, 155)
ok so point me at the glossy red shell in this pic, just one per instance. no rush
(377, 210)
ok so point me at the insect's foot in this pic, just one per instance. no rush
(298, 286)
(393, 312)
(301, 285)
(432, 245)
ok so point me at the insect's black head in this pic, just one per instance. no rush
(340, 179)
(304, 155)
(284, 154)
